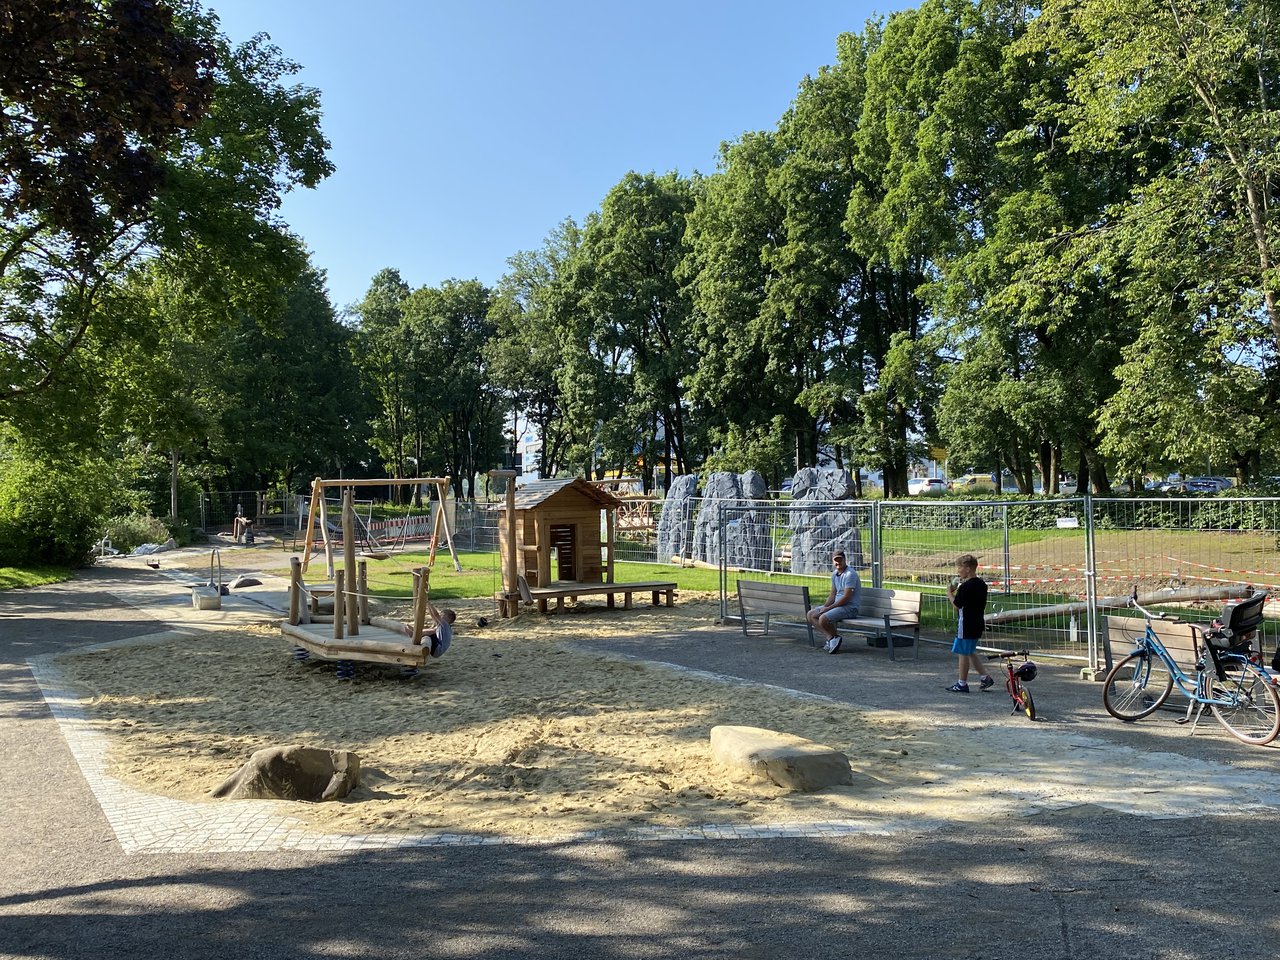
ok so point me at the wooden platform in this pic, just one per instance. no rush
(372, 644)
(562, 590)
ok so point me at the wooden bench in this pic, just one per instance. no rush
(882, 611)
(1179, 637)
(562, 591)
(784, 599)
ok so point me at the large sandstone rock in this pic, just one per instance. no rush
(782, 758)
(294, 773)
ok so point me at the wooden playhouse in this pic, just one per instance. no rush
(572, 523)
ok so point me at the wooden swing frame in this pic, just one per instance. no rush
(318, 509)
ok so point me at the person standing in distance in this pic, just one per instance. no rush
(968, 594)
(842, 604)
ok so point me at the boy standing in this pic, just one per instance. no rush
(968, 594)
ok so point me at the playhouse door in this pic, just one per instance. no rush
(564, 546)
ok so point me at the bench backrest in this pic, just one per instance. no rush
(898, 604)
(1179, 638)
(773, 597)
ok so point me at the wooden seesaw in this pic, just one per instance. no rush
(348, 634)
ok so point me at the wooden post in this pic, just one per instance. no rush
(295, 591)
(442, 524)
(510, 593)
(421, 590)
(339, 592)
(316, 492)
(609, 539)
(349, 560)
(362, 591)
(324, 532)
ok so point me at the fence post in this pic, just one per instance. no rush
(724, 570)
(877, 552)
(1091, 593)
(204, 523)
(1004, 511)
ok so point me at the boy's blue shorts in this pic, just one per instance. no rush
(964, 647)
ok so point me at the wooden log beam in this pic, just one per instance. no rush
(1167, 595)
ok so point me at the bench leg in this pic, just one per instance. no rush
(542, 604)
(888, 638)
(656, 601)
(626, 601)
(609, 601)
(671, 598)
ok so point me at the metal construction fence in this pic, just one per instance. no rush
(1056, 568)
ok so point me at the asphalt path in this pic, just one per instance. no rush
(1083, 882)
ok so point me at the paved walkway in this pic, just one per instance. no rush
(1145, 868)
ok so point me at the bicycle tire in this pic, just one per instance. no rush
(1253, 716)
(1136, 686)
(1028, 703)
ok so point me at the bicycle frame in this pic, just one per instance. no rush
(1240, 694)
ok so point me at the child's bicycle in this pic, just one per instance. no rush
(1016, 680)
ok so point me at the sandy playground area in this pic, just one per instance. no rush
(515, 732)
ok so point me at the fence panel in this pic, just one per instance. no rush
(1197, 545)
(1033, 555)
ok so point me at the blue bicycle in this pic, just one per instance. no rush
(1237, 690)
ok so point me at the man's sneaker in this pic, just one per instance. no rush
(959, 687)
(986, 684)
(832, 645)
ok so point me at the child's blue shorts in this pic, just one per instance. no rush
(964, 647)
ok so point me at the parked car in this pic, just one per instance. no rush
(926, 486)
(974, 483)
(1205, 485)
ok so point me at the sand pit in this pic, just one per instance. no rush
(513, 733)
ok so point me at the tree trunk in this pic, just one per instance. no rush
(173, 485)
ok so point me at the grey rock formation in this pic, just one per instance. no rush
(819, 526)
(675, 523)
(745, 536)
(293, 773)
(781, 758)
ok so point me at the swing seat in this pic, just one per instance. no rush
(376, 554)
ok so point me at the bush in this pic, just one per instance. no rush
(50, 513)
(130, 530)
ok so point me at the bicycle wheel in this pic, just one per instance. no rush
(1249, 707)
(1028, 704)
(1136, 686)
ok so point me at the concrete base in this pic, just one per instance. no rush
(781, 758)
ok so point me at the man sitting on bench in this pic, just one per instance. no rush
(842, 603)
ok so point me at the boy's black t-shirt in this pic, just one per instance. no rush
(971, 601)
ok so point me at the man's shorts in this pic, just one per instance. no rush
(847, 612)
(965, 648)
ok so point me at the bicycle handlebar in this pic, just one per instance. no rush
(1133, 602)
(1007, 654)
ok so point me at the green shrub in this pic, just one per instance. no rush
(130, 530)
(50, 513)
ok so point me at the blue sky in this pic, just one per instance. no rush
(463, 132)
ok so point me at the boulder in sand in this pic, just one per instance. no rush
(781, 758)
(294, 773)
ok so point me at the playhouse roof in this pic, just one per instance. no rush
(538, 492)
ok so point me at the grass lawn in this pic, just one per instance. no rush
(392, 579)
(15, 578)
